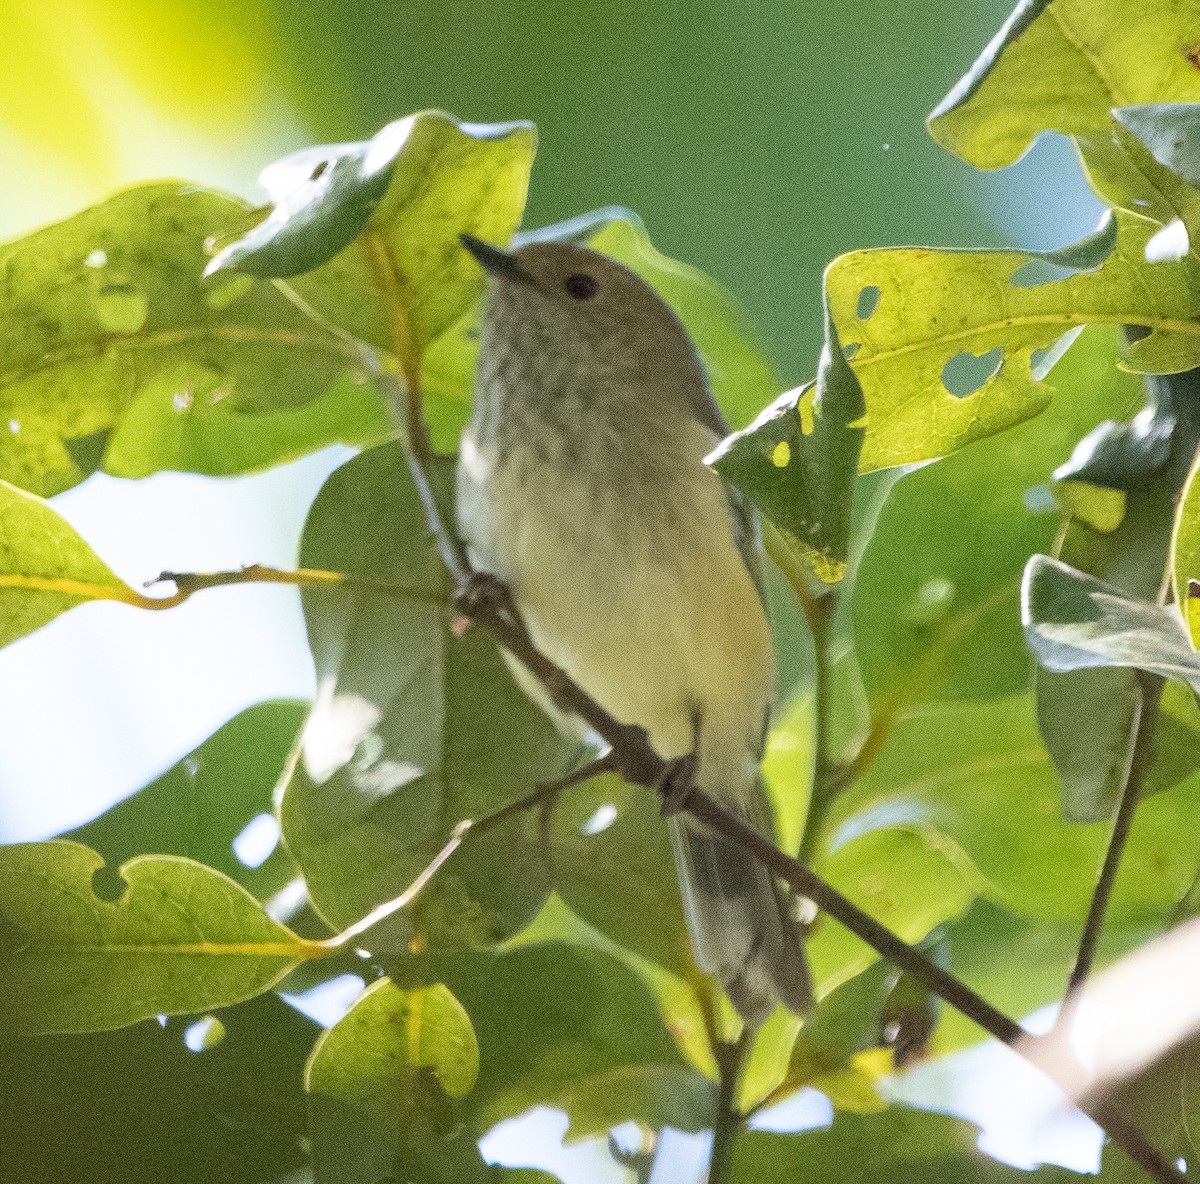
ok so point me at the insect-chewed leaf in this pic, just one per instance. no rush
(405, 195)
(179, 938)
(936, 591)
(953, 346)
(915, 1146)
(45, 567)
(1062, 65)
(98, 307)
(802, 475)
(416, 726)
(382, 1084)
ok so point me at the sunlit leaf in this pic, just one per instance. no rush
(416, 727)
(405, 196)
(175, 937)
(45, 567)
(1061, 65)
(97, 308)
(936, 610)
(382, 1084)
(952, 346)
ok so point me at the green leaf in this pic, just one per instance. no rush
(137, 1105)
(953, 346)
(409, 192)
(416, 726)
(936, 592)
(178, 937)
(200, 805)
(45, 567)
(975, 780)
(1185, 554)
(183, 421)
(613, 866)
(382, 1083)
(595, 1045)
(1061, 65)
(97, 308)
(900, 1144)
(1074, 621)
(800, 475)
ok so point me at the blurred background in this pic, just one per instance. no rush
(757, 141)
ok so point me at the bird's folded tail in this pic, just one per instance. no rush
(740, 923)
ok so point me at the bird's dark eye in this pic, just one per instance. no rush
(581, 286)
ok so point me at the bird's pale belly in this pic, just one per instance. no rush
(639, 594)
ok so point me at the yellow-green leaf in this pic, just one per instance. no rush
(168, 936)
(95, 308)
(953, 346)
(45, 567)
(1062, 65)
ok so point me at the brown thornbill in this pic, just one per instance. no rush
(581, 485)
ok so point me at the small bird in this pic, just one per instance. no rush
(581, 485)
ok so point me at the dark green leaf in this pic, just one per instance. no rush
(136, 1107)
(45, 567)
(595, 1045)
(199, 806)
(801, 475)
(416, 726)
(1061, 65)
(899, 1144)
(100, 307)
(614, 867)
(976, 780)
(175, 937)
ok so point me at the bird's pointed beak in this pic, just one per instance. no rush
(494, 261)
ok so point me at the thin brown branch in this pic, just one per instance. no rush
(190, 582)
(486, 602)
(543, 796)
(1141, 756)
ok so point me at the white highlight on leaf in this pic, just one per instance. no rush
(257, 840)
(601, 820)
(1169, 245)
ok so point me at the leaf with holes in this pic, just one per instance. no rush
(98, 308)
(416, 726)
(179, 938)
(936, 592)
(924, 346)
(801, 475)
(1062, 65)
(382, 1086)
(45, 567)
(399, 201)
